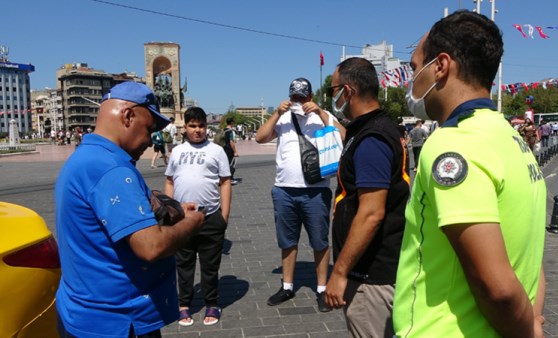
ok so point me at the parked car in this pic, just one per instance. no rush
(29, 274)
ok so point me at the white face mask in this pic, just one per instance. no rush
(338, 112)
(416, 106)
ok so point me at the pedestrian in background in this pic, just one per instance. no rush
(372, 191)
(295, 201)
(168, 135)
(544, 131)
(198, 171)
(529, 132)
(118, 270)
(158, 148)
(417, 136)
(230, 147)
(471, 258)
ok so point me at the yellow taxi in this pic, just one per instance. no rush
(29, 274)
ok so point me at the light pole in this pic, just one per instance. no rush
(492, 16)
(255, 121)
(478, 2)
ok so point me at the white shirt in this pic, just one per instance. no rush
(196, 170)
(287, 159)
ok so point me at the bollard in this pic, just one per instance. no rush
(553, 226)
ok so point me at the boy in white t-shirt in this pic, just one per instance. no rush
(198, 171)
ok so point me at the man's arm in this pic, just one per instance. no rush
(499, 294)
(169, 186)
(159, 241)
(233, 145)
(267, 133)
(226, 192)
(538, 306)
(371, 212)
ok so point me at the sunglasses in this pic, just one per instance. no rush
(329, 90)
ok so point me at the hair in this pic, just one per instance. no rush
(230, 120)
(195, 113)
(473, 41)
(360, 74)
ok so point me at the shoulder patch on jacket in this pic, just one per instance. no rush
(449, 169)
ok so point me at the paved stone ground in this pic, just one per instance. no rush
(250, 270)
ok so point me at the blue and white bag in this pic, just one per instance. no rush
(330, 146)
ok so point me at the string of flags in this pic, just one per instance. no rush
(398, 77)
(531, 30)
(514, 88)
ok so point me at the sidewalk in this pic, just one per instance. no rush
(55, 153)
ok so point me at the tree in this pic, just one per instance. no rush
(396, 105)
(319, 96)
(546, 101)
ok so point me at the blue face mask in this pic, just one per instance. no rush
(338, 112)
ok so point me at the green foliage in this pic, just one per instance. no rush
(319, 95)
(395, 105)
(242, 119)
(546, 101)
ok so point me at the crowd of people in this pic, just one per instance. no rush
(446, 254)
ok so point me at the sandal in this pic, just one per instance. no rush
(212, 312)
(185, 314)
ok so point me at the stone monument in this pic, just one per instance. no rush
(13, 134)
(162, 75)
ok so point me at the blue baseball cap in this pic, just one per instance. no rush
(140, 94)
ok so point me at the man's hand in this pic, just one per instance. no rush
(310, 107)
(189, 206)
(539, 321)
(284, 106)
(335, 290)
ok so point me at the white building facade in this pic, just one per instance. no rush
(15, 94)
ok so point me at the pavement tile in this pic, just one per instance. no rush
(264, 331)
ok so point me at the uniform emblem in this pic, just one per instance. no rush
(449, 169)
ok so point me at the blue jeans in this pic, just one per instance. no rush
(296, 206)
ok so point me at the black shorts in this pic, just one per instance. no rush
(160, 149)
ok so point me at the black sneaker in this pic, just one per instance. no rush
(281, 296)
(322, 306)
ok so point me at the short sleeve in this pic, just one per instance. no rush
(222, 159)
(474, 199)
(120, 200)
(373, 159)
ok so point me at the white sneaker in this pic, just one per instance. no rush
(234, 182)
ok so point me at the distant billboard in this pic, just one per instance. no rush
(28, 68)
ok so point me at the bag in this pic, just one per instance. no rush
(157, 138)
(330, 146)
(167, 138)
(309, 156)
(537, 148)
(219, 137)
(167, 210)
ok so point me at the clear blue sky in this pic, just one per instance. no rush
(227, 66)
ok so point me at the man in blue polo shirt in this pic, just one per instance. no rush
(118, 270)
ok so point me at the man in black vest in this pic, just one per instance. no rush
(370, 200)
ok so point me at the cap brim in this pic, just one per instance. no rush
(299, 94)
(161, 120)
